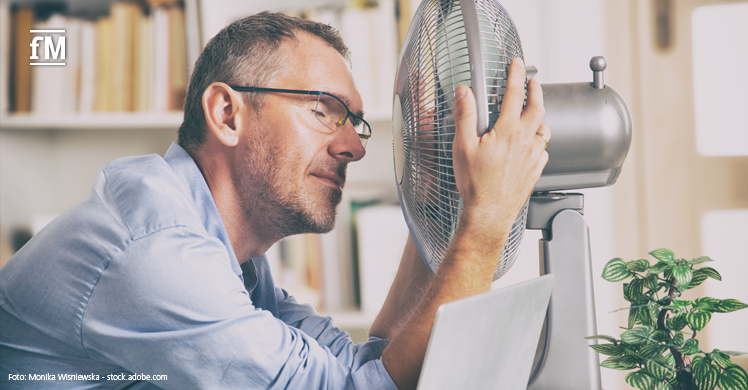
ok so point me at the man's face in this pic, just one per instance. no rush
(294, 169)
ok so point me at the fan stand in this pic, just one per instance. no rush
(564, 359)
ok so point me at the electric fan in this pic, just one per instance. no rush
(472, 42)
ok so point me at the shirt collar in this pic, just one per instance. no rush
(186, 169)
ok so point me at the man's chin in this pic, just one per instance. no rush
(324, 221)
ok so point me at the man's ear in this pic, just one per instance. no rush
(223, 108)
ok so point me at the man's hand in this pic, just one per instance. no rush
(495, 175)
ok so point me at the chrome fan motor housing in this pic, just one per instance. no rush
(449, 43)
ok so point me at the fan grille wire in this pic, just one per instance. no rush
(436, 61)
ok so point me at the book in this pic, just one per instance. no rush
(124, 17)
(22, 21)
(406, 10)
(70, 85)
(143, 62)
(177, 59)
(296, 273)
(382, 233)
(104, 67)
(193, 34)
(48, 82)
(87, 85)
(355, 197)
(371, 36)
(160, 84)
(4, 56)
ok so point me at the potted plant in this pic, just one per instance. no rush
(659, 341)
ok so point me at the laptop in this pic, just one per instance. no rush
(487, 341)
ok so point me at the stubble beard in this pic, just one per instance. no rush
(272, 200)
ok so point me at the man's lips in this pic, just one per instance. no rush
(331, 177)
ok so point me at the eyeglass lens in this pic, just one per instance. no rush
(333, 114)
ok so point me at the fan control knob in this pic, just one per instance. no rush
(598, 65)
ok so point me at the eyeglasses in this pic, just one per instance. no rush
(327, 108)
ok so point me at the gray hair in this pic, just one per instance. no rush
(245, 53)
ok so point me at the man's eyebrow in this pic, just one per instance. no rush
(347, 102)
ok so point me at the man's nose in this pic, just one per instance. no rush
(346, 143)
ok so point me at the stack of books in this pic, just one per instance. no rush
(134, 59)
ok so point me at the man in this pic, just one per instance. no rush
(160, 272)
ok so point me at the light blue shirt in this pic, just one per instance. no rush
(140, 279)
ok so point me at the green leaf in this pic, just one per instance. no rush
(699, 260)
(698, 320)
(608, 349)
(663, 254)
(659, 336)
(640, 380)
(734, 353)
(602, 337)
(672, 380)
(615, 270)
(657, 370)
(677, 322)
(728, 305)
(708, 300)
(659, 267)
(640, 265)
(636, 287)
(683, 275)
(626, 295)
(652, 312)
(636, 335)
(619, 362)
(704, 373)
(711, 272)
(690, 347)
(698, 359)
(652, 351)
(633, 315)
(698, 278)
(650, 282)
(704, 306)
(720, 358)
(629, 349)
(678, 339)
(733, 378)
(682, 302)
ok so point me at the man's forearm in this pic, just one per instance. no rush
(466, 270)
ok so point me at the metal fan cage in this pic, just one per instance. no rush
(440, 53)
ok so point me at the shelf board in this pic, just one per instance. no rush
(93, 121)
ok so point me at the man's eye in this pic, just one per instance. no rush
(319, 114)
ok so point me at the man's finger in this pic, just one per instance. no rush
(544, 133)
(514, 97)
(533, 114)
(466, 121)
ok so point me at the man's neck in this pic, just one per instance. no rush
(249, 238)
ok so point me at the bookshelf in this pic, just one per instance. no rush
(48, 160)
(92, 121)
